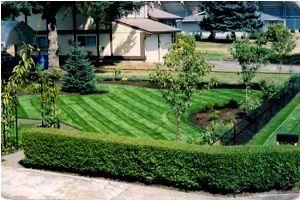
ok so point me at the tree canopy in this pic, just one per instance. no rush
(231, 16)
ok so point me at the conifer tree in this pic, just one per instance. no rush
(231, 16)
(80, 75)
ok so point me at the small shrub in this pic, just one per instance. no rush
(214, 131)
(249, 103)
(255, 34)
(214, 115)
(215, 169)
(293, 31)
(117, 72)
(268, 89)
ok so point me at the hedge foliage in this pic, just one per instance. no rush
(216, 169)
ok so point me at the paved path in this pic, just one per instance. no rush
(21, 183)
(234, 66)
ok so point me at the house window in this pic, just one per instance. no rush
(42, 42)
(86, 40)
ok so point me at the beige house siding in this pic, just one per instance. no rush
(125, 40)
(104, 44)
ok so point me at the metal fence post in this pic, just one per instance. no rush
(234, 135)
(17, 131)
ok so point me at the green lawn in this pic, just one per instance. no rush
(224, 77)
(214, 50)
(127, 110)
(286, 121)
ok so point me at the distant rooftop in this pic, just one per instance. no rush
(148, 25)
(160, 14)
(267, 17)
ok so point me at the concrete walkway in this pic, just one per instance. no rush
(233, 66)
(20, 183)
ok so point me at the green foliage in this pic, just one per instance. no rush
(214, 115)
(268, 89)
(216, 169)
(178, 77)
(80, 75)
(250, 57)
(249, 103)
(214, 132)
(225, 16)
(12, 9)
(283, 41)
(110, 10)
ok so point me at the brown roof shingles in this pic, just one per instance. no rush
(148, 25)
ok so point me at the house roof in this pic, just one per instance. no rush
(25, 33)
(267, 17)
(160, 14)
(148, 25)
(194, 18)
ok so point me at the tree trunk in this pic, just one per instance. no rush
(212, 36)
(53, 60)
(177, 128)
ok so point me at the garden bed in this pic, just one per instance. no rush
(203, 119)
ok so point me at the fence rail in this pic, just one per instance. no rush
(254, 121)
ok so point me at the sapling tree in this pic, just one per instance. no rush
(178, 77)
(282, 43)
(251, 57)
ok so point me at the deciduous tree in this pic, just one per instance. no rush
(178, 77)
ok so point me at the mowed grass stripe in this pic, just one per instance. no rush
(264, 134)
(101, 122)
(131, 118)
(167, 117)
(115, 127)
(146, 117)
(293, 122)
(74, 115)
(80, 110)
(116, 118)
(25, 103)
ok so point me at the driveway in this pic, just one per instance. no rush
(21, 183)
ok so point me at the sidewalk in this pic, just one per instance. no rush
(21, 183)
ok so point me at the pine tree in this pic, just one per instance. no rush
(80, 75)
(231, 16)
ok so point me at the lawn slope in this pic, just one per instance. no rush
(127, 110)
(286, 121)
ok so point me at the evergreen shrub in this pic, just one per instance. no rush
(79, 72)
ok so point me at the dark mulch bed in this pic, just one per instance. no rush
(202, 118)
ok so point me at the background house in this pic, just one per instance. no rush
(287, 12)
(136, 37)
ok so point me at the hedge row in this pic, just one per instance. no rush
(215, 169)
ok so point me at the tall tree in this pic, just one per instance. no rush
(49, 9)
(230, 16)
(104, 12)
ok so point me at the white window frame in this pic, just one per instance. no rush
(87, 35)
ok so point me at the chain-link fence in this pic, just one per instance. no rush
(253, 122)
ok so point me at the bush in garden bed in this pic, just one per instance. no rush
(216, 169)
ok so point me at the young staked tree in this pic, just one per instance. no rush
(178, 77)
(251, 56)
(80, 75)
(283, 42)
(230, 16)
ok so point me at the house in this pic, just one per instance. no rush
(270, 20)
(138, 36)
(287, 12)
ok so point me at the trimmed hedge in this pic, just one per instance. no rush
(216, 169)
